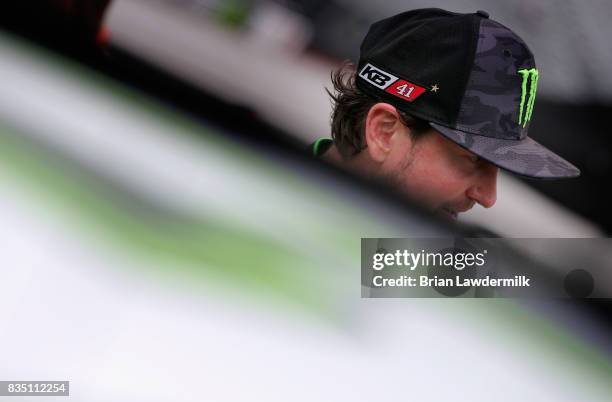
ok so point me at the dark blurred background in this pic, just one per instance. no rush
(568, 39)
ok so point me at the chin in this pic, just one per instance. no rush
(447, 213)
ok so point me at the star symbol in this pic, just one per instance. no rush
(435, 88)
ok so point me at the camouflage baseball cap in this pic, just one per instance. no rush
(471, 78)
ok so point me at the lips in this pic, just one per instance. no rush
(453, 212)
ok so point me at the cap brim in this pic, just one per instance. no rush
(524, 157)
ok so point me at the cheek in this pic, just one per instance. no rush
(434, 183)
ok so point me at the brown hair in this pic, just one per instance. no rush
(350, 109)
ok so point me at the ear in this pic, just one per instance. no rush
(383, 128)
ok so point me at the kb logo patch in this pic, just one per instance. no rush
(389, 83)
(377, 77)
(529, 87)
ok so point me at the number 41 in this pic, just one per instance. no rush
(402, 90)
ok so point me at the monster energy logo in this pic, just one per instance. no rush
(530, 79)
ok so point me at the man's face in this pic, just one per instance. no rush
(439, 173)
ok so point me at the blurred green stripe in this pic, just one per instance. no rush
(206, 250)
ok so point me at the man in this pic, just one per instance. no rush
(438, 103)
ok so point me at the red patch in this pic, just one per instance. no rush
(405, 90)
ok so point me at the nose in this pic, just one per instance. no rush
(484, 190)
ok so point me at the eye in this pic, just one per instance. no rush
(473, 158)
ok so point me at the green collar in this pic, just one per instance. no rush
(320, 146)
